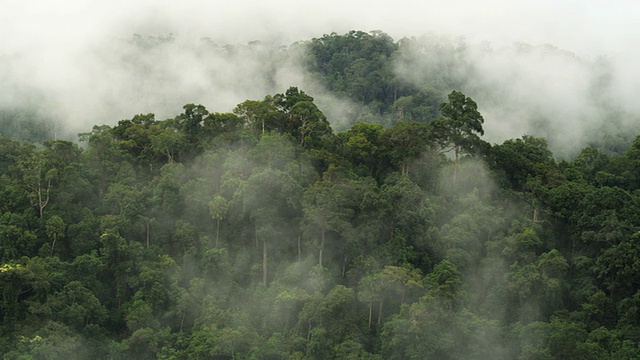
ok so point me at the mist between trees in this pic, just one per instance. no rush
(263, 233)
(572, 100)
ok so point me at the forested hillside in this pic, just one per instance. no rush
(266, 233)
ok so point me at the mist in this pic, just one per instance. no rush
(264, 244)
(91, 64)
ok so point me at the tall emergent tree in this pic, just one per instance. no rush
(460, 128)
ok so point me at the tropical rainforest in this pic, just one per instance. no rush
(268, 233)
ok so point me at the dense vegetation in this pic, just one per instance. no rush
(263, 234)
(367, 69)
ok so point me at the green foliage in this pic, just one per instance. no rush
(430, 329)
(422, 106)
(356, 64)
(460, 127)
(363, 148)
(261, 234)
(520, 160)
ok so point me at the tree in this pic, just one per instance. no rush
(430, 329)
(18, 236)
(420, 107)
(260, 115)
(38, 176)
(406, 142)
(403, 207)
(363, 148)
(168, 143)
(76, 306)
(326, 208)
(55, 228)
(460, 128)
(308, 124)
(56, 341)
(445, 283)
(357, 64)
(328, 320)
(270, 197)
(522, 159)
(388, 283)
(219, 125)
(15, 282)
(190, 123)
(618, 267)
(218, 207)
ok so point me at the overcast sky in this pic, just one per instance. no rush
(63, 46)
(581, 26)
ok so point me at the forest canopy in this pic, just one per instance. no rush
(266, 233)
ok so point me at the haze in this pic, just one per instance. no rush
(75, 52)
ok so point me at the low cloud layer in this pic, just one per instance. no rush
(583, 26)
(84, 59)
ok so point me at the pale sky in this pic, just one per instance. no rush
(71, 51)
(581, 26)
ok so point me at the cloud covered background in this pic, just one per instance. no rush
(81, 58)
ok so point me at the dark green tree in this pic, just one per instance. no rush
(460, 127)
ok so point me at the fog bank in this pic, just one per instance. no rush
(93, 63)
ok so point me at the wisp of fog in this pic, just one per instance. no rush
(562, 70)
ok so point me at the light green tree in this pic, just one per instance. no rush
(55, 229)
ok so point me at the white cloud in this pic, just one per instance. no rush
(75, 50)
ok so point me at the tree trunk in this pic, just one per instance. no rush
(393, 229)
(404, 166)
(53, 244)
(43, 201)
(148, 232)
(255, 229)
(169, 156)
(455, 168)
(217, 231)
(321, 250)
(535, 215)
(264, 263)
(344, 263)
(370, 313)
(182, 320)
(380, 311)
